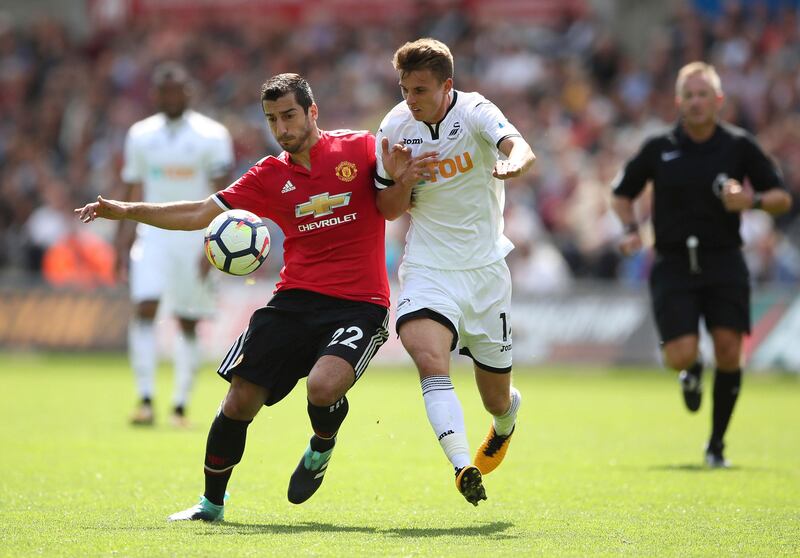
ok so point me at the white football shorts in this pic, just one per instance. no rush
(475, 302)
(165, 266)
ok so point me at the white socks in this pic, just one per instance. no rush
(142, 355)
(446, 418)
(504, 424)
(187, 359)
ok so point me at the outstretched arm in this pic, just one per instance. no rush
(181, 216)
(519, 158)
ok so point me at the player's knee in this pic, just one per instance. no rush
(242, 403)
(727, 347)
(430, 362)
(681, 353)
(727, 356)
(680, 358)
(322, 390)
(234, 409)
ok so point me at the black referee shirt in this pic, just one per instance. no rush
(687, 184)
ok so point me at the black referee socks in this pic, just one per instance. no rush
(726, 391)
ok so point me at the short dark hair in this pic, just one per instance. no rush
(170, 72)
(425, 54)
(283, 84)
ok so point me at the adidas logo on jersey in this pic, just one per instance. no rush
(288, 187)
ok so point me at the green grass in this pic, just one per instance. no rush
(605, 463)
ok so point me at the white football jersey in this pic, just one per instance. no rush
(176, 160)
(456, 218)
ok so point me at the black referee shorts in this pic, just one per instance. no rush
(720, 293)
(287, 336)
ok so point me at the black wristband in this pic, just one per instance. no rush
(758, 200)
(630, 227)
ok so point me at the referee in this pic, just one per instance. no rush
(705, 172)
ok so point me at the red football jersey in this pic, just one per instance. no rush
(335, 235)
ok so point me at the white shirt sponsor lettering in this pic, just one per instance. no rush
(456, 218)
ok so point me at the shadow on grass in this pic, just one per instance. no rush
(492, 530)
(693, 467)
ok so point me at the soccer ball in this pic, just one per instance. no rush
(237, 242)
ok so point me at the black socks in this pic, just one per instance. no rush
(726, 391)
(224, 449)
(326, 422)
(696, 369)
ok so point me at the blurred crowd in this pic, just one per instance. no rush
(581, 99)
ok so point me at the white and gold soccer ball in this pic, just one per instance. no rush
(237, 242)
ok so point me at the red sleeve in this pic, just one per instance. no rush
(250, 192)
(371, 151)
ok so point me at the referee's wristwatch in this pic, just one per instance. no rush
(758, 200)
(631, 228)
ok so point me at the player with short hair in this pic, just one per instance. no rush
(175, 154)
(705, 172)
(330, 310)
(455, 284)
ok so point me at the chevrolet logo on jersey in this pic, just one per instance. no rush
(321, 204)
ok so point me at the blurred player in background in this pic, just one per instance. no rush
(329, 314)
(176, 154)
(705, 173)
(454, 281)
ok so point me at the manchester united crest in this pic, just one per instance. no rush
(346, 171)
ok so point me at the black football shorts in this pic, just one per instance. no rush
(720, 293)
(287, 336)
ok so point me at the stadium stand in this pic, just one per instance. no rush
(566, 72)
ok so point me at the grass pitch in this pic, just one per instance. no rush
(604, 463)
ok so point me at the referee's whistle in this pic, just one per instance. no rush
(691, 245)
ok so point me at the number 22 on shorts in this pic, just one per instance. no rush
(354, 334)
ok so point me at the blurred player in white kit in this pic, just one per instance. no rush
(175, 154)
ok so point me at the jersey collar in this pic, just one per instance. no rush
(175, 122)
(688, 144)
(434, 128)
